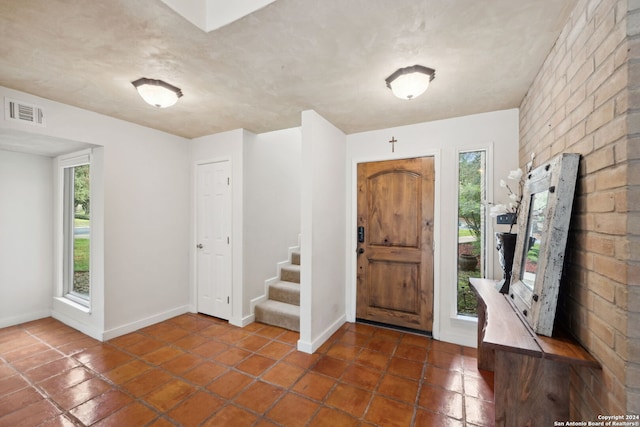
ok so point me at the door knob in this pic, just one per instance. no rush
(360, 250)
(199, 246)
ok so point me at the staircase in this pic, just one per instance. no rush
(282, 308)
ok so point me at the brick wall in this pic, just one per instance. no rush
(586, 99)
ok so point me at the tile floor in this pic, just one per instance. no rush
(195, 370)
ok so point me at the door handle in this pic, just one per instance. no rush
(360, 251)
(199, 246)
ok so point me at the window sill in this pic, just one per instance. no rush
(461, 318)
(75, 305)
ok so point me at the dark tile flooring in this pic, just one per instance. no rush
(195, 370)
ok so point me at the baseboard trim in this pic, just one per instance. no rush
(254, 302)
(279, 266)
(24, 318)
(79, 326)
(143, 323)
(459, 339)
(311, 347)
(241, 322)
(293, 249)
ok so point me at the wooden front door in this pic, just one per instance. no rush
(395, 248)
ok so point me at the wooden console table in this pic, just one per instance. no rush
(531, 371)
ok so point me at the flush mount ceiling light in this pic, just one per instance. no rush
(410, 82)
(157, 93)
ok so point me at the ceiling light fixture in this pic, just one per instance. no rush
(410, 82)
(156, 92)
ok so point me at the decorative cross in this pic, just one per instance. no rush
(393, 141)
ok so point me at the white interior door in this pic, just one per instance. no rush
(214, 239)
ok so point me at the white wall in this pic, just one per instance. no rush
(148, 208)
(26, 238)
(146, 214)
(210, 15)
(495, 131)
(322, 288)
(223, 146)
(146, 229)
(272, 170)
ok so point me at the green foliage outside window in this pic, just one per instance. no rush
(81, 190)
(470, 195)
(470, 226)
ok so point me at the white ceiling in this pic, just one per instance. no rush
(262, 70)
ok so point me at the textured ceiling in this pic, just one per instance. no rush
(261, 71)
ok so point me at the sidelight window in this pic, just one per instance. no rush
(471, 227)
(76, 229)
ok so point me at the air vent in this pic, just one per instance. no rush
(23, 112)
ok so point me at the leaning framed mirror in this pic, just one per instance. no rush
(543, 227)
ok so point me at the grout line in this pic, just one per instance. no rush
(198, 324)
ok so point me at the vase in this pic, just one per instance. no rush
(506, 246)
(467, 262)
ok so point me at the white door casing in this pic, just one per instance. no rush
(213, 235)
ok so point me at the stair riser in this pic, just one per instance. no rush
(287, 321)
(290, 275)
(282, 308)
(295, 258)
(284, 295)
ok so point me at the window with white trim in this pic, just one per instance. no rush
(76, 228)
(472, 239)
